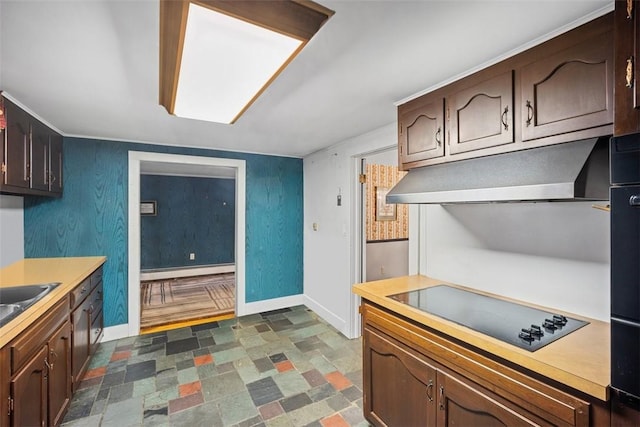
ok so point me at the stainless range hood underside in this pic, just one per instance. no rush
(571, 171)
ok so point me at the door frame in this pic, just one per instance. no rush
(138, 160)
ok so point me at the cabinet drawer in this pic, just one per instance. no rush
(30, 341)
(80, 293)
(96, 277)
(95, 305)
(96, 332)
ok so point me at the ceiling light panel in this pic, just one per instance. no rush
(217, 57)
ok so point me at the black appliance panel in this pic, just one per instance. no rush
(503, 320)
(625, 357)
(625, 160)
(625, 252)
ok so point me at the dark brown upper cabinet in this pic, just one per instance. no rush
(31, 155)
(627, 54)
(558, 91)
(481, 116)
(421, 130)
(569, 91)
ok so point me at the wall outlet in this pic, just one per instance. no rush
(192, 256)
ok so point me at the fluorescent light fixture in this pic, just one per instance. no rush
(217, 57)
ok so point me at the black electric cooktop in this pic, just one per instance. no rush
(516, 324)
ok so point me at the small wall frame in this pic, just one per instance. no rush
(149, 207)
(384, 210)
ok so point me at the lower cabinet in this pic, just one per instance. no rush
(37, 364)
(87, 324)
(44, 364)
(415, 377)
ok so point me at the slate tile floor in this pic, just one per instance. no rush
(279, 368)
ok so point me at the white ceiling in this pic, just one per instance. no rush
(90, 68)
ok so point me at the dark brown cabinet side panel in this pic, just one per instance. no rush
(29, 393)
(627, 55)
(55, 163)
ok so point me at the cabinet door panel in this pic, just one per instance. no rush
(17, 146)
(421, 132)
(29, 393)
(461, 404)
(81, 319)
(569, 91)
(481, 116)
(55, 163)
(400, 387)
(39, 156)
(59, 373)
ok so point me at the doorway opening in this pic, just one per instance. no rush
(178, 296)
(383, 237)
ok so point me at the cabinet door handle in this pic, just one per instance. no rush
(629, 72)
(430, 391)
(438, 136)
(634, 200)
(441, 405)
(504, 118)
(53, 356)
(49, 365)
(529, 112)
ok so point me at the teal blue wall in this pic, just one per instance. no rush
(194, 215)
(91, 218)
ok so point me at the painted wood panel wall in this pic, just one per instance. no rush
(385, 176)
(91, 218)
(193, 215)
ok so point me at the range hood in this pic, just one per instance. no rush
(571, 171)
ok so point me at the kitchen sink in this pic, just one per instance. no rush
(16, 299)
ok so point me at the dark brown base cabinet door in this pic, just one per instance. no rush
(59, 373)
(29, 391)
(399, 386)
(569, 91)
(81, 319)
(460, 404)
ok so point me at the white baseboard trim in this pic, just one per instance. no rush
(327, 315)
(270, 304)
(115, 332)
(170, 273)
(122, 331)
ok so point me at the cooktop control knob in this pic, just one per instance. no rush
(526, 335)
(536, 331)
(549, 325)
(559, 320)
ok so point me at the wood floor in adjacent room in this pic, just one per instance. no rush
(169, 301)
